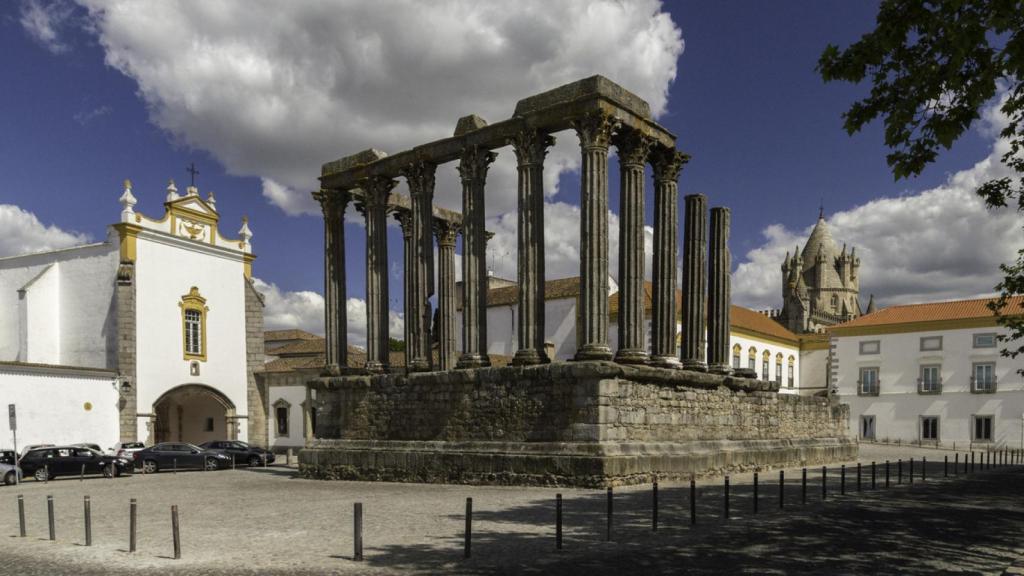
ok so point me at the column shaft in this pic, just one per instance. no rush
(719, 292)
(633, 148)
(531, 147)
(333, 204)
(404, 219)
(446, 233)
(695, 250)
(420, 176)
(376, 191)
(473, 167)
(666, 163)
(594, 131)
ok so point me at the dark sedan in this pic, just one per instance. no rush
(179, 455)
(241, 452)
(8, 457)
(48, 463)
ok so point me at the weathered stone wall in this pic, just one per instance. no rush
(590, 423)
(256, 397)
(126, 359)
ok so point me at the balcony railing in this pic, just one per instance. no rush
(983, 386)
(927, 386)
(868, 388)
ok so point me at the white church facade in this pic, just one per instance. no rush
(152, 335)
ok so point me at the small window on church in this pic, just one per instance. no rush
(193, 332)
(193, 319)
(281, 414)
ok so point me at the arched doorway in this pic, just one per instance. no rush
(194, 413)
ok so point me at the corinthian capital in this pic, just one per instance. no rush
(445, 231)
(474, 162)
(633, 146)
(376, 189)
(332, 202)
(420, 176)
(667, 163)
(531, 146)
(595, 129)
(404, 218)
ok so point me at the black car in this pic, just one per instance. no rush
(8, 457)
(71, 461)
(241, 452)
(179, 455)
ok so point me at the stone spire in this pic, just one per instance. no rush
(871, 305)
(128, 202)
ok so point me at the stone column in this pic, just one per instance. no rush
(666, 163)
(473, 171)
(633, 148)
(719, 292)
(420, 176)
(333, 204)
(531, 146)
(594, 131)
(404, 219)
(375, 201)
(308, 432)
(446, 233)
(695, 246)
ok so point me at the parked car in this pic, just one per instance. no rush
(241, 452)
(8, 457)
(126, 449)
(95, 447)
(69, 460)
(169, 455)
(8, 472)
(26, 449)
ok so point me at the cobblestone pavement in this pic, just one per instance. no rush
(269, 522)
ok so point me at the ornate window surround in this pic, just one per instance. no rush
(282, 403)
(195, 302)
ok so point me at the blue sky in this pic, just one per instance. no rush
(88, 104)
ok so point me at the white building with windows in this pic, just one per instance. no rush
(153, 334)
(930, 372)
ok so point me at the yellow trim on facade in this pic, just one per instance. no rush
(927, 326)
(752, 352)
(128, 235)
(194, 301)
(247, 264)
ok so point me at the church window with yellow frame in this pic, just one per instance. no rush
(193, 321)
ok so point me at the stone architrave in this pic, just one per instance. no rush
(473, 166)
(404, 219)
(531, 146)
(446, 233)
(333, 204)
(633, 148)
(719, 292)
(420, 177)
(695, 250)
(375, 207)
(666, 163)
(594, 131)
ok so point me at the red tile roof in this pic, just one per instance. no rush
(976, 309)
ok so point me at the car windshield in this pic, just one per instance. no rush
(132, 445)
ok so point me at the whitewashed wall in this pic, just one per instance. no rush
(52, 407)
(899, 407)
(294, 394)
(774, 349)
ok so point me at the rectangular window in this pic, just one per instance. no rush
(982, 428)
(871, 347)
(790, 375)
(869, 382)
(764, 369)
(929, 428)
(930, 381)
(752, 363)
(736, 361)
(281, 414)
(193, 333)
(983, 378)
(867, 427)
(985, 340)
(931, 343)
(778, 373)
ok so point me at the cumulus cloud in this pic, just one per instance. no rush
(304, 309)
(23, 233)
(44, 22)
(937, 244)
(277, 97)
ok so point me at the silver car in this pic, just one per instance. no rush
(7, 473)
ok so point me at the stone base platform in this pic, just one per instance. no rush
(590, 424)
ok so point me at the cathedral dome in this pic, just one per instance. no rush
(819, 241)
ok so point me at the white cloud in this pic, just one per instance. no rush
(43, 20)
(277, 97)
(304, 309)
(23, 233)
(936, 244)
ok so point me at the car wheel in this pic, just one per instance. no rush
(211, 464)
(9, 478)
(40, 475)
(150, 467)
(254, 461)
(109, 471)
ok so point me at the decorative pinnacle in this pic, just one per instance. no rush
(127, 184)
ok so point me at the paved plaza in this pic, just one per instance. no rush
(267, 521)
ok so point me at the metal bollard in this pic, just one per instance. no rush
(88, 522)
(233, 458)
(972, 461)
(175, 469)
(911, 471)
(858, 476)
(755, 492)
(782, 489)
(693, 501)
(132, 525)
(558, 521)
(842, 480)
(945, 466)
(49, 514)
(803, 487)
(924, 467)
(21, 516)
(726, 497)
(824, 482)
(608, 533)
(886, 473)
(654, 507)
(175, 532)
(357, 531)
(899, 471)
(46, 469)
(956, 463)
(81, 475)
(467, 549)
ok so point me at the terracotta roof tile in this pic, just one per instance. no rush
(553, 290)
(931, 312)
(294, 334)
